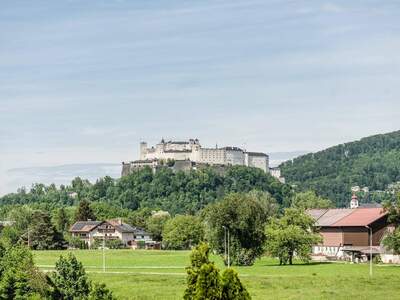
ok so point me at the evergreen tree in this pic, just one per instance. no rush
(232, 288)
(208, 284)
(100, 292)
(42, 233)
(62, 220)
(19, 278)
(84, 212)
(70, 279)
(204, 281)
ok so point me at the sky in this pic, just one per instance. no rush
(83, 82)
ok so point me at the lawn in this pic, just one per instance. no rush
(144, 274)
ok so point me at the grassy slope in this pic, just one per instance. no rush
(161, 275)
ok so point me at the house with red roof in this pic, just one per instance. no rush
(350, 232)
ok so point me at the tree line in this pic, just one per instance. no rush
(372, 162)
(177, 192)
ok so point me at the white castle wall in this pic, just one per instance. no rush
(193, 151)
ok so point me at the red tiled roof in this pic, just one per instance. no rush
(361, 217)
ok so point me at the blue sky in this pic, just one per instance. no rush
(84, 81)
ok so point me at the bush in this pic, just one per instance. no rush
(100, 292)
(205, 282)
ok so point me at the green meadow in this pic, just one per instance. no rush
(145, 274)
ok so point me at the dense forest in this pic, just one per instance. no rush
(175, 192)
(372, 162)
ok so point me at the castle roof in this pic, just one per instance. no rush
(257, 154)
(229, 148)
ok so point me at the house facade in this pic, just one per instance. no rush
(90, 231)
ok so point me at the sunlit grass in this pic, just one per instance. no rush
(144, 274)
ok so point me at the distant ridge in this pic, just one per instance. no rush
(372, 162)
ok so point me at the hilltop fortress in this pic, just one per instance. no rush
(190, 154)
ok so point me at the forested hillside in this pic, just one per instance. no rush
(174, 192)
(372, 162)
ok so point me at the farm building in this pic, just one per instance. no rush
(352, 233)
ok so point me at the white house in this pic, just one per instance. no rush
(89, 231)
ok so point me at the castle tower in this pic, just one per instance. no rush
(143, 150)
(354, 201)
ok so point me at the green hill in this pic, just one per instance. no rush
(372, 162)
(176, 192)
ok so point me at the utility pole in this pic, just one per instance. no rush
(224, 243)
(370, 250)
(104, 253)
(229, 262)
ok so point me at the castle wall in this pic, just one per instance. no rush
(192, 152)
(258, 162)
(235, 157)
(211, 156)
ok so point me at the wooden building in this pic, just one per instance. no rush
(353, 231)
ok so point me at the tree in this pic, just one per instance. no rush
(205, 282)
(292, 234)
(70, 279)
(232, 287)
(100, 292)
(155, 224)
(244, 216)
(308, 200)
(392, 239)
(84, 212)
(181, 232)
(19, 278)
(208, 285)
(62, 220)
(42, 233)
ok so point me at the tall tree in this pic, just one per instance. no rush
(19, 278)
(243, 217)
(182, 232)
(84, 212)
(392, 239)
(155, 224)
(43, 234)
(70, 279)
(62, 220)
(294, 233)
(309, 199)
(205, 282)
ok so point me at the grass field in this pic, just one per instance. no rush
(144, 274)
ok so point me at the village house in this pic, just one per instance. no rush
(90, 231)
(351, 233)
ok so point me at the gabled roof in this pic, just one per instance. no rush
(87, 226)
(342, 217)
(361, 217)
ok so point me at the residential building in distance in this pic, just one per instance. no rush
(90, 231)
(189, 154)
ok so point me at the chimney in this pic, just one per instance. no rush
(354, 201)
